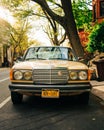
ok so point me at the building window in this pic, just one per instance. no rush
(94, 13)
(101, 8)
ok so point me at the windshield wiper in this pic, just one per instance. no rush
(31, 59)
(41, 58)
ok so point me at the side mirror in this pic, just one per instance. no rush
(80, 59)
(18, 59)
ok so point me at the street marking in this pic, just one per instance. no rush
(4, 102)
(3, 80)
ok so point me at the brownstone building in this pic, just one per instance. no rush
(98, 10)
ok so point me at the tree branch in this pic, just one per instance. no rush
(53, 15)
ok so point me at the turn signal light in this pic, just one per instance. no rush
(11, 74)
(90, 74)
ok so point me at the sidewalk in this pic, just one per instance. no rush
(4, 68)
(98, 88)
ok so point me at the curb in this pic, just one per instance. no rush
(98, 91)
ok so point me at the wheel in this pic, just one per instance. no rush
(84, 97)
(16, 97)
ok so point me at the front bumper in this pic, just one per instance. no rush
(66, 88)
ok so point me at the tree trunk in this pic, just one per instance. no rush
(70, 27)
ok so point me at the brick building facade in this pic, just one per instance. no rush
(98, 10)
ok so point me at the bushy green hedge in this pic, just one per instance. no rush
(96, 39)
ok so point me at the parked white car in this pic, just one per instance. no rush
(49, 72)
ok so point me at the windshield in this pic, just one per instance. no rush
(47, 53)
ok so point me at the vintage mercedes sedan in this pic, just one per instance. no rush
(49, 72)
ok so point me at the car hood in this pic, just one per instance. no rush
(49, 64)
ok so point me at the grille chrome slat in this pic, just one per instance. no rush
(50, 76)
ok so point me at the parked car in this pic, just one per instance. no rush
(49, 72)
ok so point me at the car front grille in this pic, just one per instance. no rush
(50, 76)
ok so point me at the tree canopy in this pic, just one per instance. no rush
(4, 31)
(96, 39)
(82, 10)
(66, 13)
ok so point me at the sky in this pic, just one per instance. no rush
(37, 32)
(5, 14)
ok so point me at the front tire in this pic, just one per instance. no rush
(84, 98)
(16, 97)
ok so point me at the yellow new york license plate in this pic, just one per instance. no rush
(50, 93)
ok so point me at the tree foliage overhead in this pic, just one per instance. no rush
(18, 32)
(58, 12)
(82, 10)
(55, 31)
(96, 39)
(4, 31)
(82, 15)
